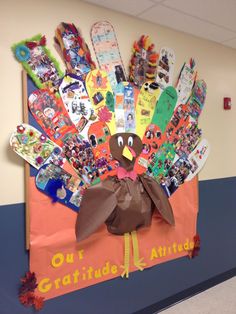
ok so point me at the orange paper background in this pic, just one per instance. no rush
(52, 232)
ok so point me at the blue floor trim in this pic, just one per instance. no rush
(150, 290)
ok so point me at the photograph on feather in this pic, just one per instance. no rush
(123, 199)
(38, 61)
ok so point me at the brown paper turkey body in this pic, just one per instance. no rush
(124, 202)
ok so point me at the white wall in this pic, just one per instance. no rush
(216, 64)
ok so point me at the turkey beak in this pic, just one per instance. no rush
(128, 153)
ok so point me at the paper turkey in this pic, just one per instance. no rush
(124, 202)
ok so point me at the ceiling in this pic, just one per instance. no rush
(210, 19)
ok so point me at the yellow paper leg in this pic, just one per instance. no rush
(138, 262)
(126, 256)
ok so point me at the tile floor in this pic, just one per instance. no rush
(221, 299)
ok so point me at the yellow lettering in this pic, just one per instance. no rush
(114, 269)
(186, 245)
(153, 254)
(174, 247)
(76, 276)
(89, 271)
(180, 247)
(81, 254)
(70, 258)
(106, 269)
(57, 283)
(160, 251)
(57, 260)
(44, 285)
(97, 273)
(66, 280)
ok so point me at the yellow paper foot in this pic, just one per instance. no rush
(125, 272)
(140, 264)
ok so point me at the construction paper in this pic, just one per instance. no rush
(143, 63)
(165, 68)
(35, 147)
(127, 153)
(152, 140)
(107, 52)
(78, 152)
(120, 141)
(63, 266)
(197, 99)
(119, 108)
(77, 102)
(73, 49)
(101, 96)
(185, 167)
(130, 100)
(51, 115)
(128, 206)
(145, 106)
(178, 124)
(185, 83)
(99, 136)
(189, 140)
(176, 175)
(125, 100)
(165, 107)
(198, 158)
(69, 193)
(160, 163)
(38, 62)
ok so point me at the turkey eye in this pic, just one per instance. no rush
(120, 141)
(130, 141)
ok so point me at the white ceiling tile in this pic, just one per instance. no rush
(131, 7)
(230, 43)
(215, 11)
(182, 22)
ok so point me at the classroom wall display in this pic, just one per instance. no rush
(118, 193)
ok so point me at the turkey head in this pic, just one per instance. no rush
(125, 148)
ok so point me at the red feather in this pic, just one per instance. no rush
(31, 44)
(195, 251)
(27, 299)
(38, 303)
(42, 41)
